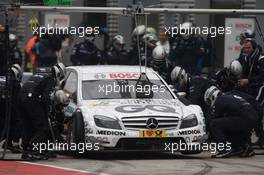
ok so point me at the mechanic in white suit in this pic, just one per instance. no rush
(163, 41)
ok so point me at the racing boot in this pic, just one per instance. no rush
(247, 151)
(14, 148)
(50, 154)
(259, 143)
(29, 155)
(223, 154)
(33, 156)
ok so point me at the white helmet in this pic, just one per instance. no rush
(12, 37)
(247, 33)
(179, 75)
(186, 29)
(17, 71)
(13, 40)
(139, 30)
(151, 30)
(151, 39)
(59, 71)
(236, 69)
(211, 94)
(118, 42)
(60, 97)
(158, 54)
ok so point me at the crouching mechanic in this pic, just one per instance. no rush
(255, 104)
(60, 100)
(35, 104)
(228, 111)
(194, 86)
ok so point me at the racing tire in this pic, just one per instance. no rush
(76, 130)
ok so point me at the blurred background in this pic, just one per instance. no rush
(124, 25)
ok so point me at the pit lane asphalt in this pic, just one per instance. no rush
(140, 163)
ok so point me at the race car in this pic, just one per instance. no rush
(128, 108)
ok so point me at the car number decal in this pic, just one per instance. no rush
(140, 108)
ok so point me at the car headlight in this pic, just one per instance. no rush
(106, 122)
(189, 121)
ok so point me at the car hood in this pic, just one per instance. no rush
(134, 107)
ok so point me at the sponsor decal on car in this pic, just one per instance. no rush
(124, 75)
(140, 108)
(189, 132)
(152, 133)
(115, 133)
(117, 75)
(151, 102)
(70, 109)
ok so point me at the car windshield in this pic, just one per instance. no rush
(123, 89)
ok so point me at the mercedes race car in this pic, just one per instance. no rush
(118, 108)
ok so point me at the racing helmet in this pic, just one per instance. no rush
(17, 72)
(151, 30)
(139, 31)
(186, 30)
(247, 33)
(59, 71)
(235, 69)
(60, 97)
(158, 54)
(211, 94)
(12, 37)
(151, 39)
(118, 42)
(13, 40)
(179, 75)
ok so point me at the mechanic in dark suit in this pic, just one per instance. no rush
(35, 106)
(232, 120)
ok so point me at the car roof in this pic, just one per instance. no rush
(109, 69)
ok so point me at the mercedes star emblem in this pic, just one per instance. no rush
(152, 123)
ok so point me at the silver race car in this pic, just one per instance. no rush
(117, 108)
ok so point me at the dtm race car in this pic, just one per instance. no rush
(112, 107)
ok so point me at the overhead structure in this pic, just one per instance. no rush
(129, 10)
